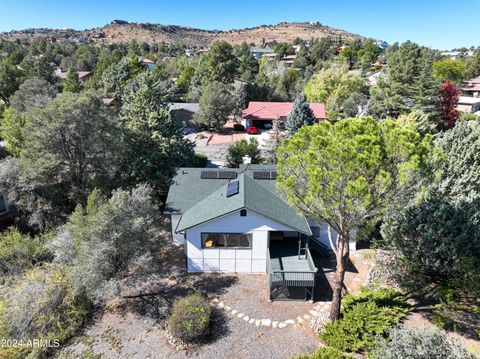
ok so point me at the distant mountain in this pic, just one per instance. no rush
(119, 31)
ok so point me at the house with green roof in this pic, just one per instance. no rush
(235, 221)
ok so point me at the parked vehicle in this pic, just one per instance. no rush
(252, 130)
(238, 127)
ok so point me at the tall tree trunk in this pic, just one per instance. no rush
(342, 256)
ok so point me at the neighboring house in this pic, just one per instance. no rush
(119, 22)
(270, 56)
(453, 55)
(82, 75)
(234, 220)
(372, 77)
(289, 59)
(472, 82)
(260, 51)
(470, 53)
(79, 40)
(381, 44)
(189, 52)
(113, 102)
(296, 48)
(473, 91)
(261, 113)
(149, 63)
(469, 104)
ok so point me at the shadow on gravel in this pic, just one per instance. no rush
(326, 268)
(219, 326)
(213, 283)
(157, 304)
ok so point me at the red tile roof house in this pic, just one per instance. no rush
(258, 113)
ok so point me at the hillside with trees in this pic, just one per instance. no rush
(123, 32)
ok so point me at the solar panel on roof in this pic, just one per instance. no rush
(261, 175)
(265, 175)
(232, 188)
(227, 174)
(209, 174)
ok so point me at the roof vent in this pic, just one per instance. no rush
(247, 160)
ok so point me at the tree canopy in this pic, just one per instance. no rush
(72, 143)
(218, 64)
(72, 83)
(407, 82)
(242, 148)
(450, 206)
(347, 174)
(333, 86)
(106, 240)
(247, 63)
(216, 104)
(33, 93)
(301, 114)
(452, 70)
(154, 141)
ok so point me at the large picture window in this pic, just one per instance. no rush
(226, 240)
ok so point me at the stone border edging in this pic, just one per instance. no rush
(300, 320)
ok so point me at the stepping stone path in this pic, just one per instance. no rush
(318, 308)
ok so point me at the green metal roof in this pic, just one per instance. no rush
(201, 200)
(188, 188)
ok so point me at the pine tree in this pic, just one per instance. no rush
(301, 114)
(72, 83)
(155, 141)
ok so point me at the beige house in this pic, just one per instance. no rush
(469, 104)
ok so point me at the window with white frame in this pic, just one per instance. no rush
(227, 240)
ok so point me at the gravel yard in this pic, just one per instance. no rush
(134, 336)
(244, 325)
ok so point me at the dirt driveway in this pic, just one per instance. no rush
(215, 144)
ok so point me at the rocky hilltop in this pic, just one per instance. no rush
(119, 31)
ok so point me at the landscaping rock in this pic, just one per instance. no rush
(318, 323)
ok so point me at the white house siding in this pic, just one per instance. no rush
(323, 238)
(252, 260)
(177, 238)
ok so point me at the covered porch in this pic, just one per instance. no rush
(290, 268)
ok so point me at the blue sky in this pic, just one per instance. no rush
(436, 23)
